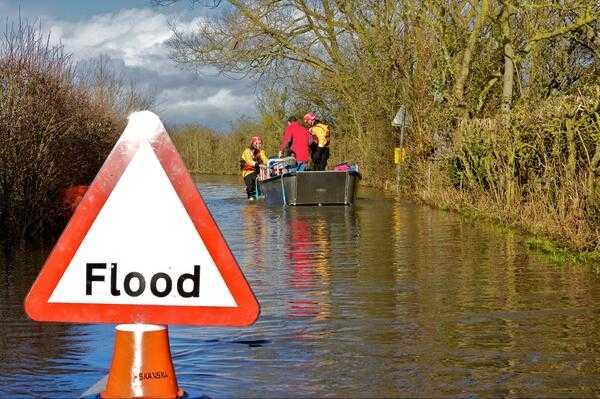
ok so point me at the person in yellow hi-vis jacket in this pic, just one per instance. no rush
(253, 158)
(321, 138)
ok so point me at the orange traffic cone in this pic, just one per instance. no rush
(141, 365)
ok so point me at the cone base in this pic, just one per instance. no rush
(180, 394)
(142, 366)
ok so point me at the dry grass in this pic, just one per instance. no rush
(537, 170)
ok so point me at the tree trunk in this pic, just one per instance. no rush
(463, 73)
(572, 156)
(509, 67)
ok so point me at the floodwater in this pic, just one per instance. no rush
(383, 299)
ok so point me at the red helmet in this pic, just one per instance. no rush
(310, 117)
(255, 140)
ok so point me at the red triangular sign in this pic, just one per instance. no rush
(142, 247)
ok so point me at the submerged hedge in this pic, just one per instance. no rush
(56, 128)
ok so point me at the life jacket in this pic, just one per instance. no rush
(321, 134)
(246, 166)
(256, 157)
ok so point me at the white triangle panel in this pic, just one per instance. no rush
(143, 228)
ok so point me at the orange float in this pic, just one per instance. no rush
(71, 197)
(141, 365)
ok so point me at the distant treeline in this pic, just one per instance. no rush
(57, 125)
(503, 98)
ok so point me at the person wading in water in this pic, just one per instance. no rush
(253, 158)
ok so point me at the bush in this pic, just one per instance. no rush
(547, 159)
(54, 132)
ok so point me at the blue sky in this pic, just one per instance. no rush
(131, 34)
(73, 10)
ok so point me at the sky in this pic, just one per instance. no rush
(131, 35)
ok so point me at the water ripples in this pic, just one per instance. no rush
(382, 299)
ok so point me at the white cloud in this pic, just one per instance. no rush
(135, 40)
(185, 106)
(137, 36)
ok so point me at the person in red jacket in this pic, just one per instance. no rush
(297, 139)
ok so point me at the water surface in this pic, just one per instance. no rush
(386, 298)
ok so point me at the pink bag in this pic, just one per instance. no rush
(343, 167)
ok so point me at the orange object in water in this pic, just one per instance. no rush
(141, 365)
(72, 196)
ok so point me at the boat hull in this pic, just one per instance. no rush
(310, 188)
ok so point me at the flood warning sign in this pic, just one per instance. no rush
(142, 240)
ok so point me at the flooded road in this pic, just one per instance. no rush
(386, 298)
